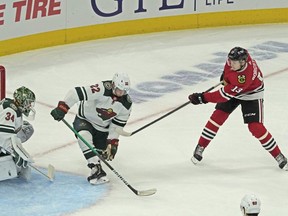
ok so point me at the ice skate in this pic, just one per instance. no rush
(282, 162)
(98, 175)
(197, 155)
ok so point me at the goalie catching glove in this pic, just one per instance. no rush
(25, 132)
(60, 111)
(111, 150)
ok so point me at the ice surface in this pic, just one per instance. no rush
(164, 69)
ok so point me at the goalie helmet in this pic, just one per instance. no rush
(25, 100)
(121, 81)
(250, 205)
(238, 53)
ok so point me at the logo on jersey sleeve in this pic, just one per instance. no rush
(241, 79)
(105, 114)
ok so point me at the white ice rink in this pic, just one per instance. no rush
(164, 69)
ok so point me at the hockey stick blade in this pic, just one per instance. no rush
(147, 192)
(51, 172)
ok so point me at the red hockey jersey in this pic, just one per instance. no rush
(246, 84)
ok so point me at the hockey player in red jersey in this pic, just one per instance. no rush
(102, 108)
(243, 85)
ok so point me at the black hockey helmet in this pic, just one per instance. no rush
(238, 53)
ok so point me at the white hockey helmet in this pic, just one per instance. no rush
(121, 81)
(250, 204)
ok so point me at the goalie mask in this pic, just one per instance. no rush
(25, 101)
(120, 84)
(250, 205)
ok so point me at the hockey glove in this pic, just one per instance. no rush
(111, 150)
(197, 98)
(60, 111)
(26, 132)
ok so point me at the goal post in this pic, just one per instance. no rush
(2, 82)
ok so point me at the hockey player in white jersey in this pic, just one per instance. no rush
(14, 131)
(102, 108)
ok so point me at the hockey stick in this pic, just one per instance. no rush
(50, 174)
(137, 192)
(51, 170)
(125, 133)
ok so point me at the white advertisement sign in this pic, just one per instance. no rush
(105, 11)
(26, 17)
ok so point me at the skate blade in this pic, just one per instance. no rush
(99, 181)
(194, 160)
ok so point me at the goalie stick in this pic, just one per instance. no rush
(50, 172)
(137, 192)
(125, 133)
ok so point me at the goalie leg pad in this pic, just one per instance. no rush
(21, 156)
(8, 168)
(25, 173)
(18, 148)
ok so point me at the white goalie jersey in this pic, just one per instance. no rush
(10, 121)
(99, 106)
(13, 132)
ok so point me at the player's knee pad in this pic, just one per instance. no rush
(87, 136)
(257, 129)
(219, 116)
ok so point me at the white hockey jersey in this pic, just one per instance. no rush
(11, 121)
(98, 105)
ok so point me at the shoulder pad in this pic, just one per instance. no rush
(108, 88)
(9, 103)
